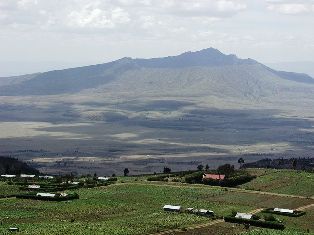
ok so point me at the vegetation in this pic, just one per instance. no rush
(282, 181)
(13, 166)
(134, 206)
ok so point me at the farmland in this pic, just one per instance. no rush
(134, 206)
(282, 181)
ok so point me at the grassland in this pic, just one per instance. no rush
(7, 190)
(133, 207)
(282, 181)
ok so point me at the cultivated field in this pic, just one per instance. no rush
(282, 181)
(134, 206)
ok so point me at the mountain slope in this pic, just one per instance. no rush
(210, 66)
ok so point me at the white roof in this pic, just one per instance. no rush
(46, 176)
(33, 186)
(8, 176)
(27, 176)
(243, 216)
(283, 210)
(103, 178)
(46, 194)
(170, 207)
(75, 182)
(205, 211)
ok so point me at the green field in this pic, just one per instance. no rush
(129, 208)
(282, 181)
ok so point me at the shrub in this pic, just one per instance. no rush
(194, 178)
(269, 218)
(158, 178)
(258, 223)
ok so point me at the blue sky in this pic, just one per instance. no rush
(40, 35)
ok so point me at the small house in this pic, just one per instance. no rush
(103, 178)
(27, 176)
(33, 186)
(213, 176)
(8, 176)
(47, 177)
(45, 195)
(243, 216)
(281, 210)
(205, 212)
(172, 208)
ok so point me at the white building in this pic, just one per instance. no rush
(103, 178)
(49, 177)
(45, 195)
(33, 186)
(8, 176)
(243, 216)
(172, 208)
(27, 176)
(281, 210)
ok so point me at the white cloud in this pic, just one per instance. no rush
(93, 16)
(110, 14)
(290, 7)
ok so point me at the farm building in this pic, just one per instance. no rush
(205, 212)
(103, 178)
(213, 176)
(281, 210)
(200, 212)
(243, 216)
(8, 176)
(27, 176)
(172, 208)
(45, 195)
(33, 186)
(46, 177)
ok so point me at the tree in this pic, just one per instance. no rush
(167, 170)
(294, 164)
(226, 169)
(206, 167)
(241, 161)
(126, 172)
(200, 167)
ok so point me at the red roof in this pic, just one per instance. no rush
(213, 177)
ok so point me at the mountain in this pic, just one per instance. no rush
(211, 63)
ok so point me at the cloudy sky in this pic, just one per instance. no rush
(39, 35)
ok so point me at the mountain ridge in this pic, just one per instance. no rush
(74, 80)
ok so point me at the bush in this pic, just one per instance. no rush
(158, 178)
(269, 218)
(194, 178)
(257, 223)
(230, 182)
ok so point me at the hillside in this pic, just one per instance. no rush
(178, 110)
(13, 166)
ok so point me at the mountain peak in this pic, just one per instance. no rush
(206, 57)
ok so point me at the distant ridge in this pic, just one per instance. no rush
(221, 66)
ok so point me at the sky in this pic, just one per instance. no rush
(42, 35)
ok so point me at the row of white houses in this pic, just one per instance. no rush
(26, 176)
